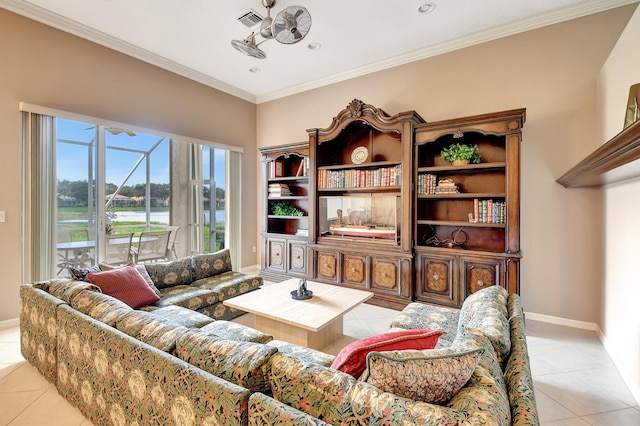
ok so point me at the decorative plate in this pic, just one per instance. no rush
(359, 155)
(306, 295)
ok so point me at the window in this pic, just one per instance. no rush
(100, 181)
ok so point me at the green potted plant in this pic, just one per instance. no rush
(282, 208)
(460, 154)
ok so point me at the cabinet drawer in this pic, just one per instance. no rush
(275, 254)
(436, 278)
(326, 266)
(354, 268)
(384, 274)
(478, 273)
(297, 258)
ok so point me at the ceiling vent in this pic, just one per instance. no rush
(250, 18)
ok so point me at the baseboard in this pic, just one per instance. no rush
(14, 322)
(253, 269)
(592, 326)
(634, 388)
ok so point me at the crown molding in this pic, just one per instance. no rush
(512, 28)
(28, 10)
(51, 19)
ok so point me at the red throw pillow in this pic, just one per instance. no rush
(352, 359)
(125, 284)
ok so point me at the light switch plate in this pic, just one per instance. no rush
(3, 216)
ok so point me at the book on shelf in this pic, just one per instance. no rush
(277, 168)
(279, 190)
(447, 186)
(427, 183)
(360, 178)
(489, 211)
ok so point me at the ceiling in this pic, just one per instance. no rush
(193, 38)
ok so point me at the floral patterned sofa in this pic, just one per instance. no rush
(499, 390)
(120, 365)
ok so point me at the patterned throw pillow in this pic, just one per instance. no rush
(125, 284)
(352, 358)
(432, 376)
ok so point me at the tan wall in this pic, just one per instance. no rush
(47, 67)
(621, 293)
(550, 71)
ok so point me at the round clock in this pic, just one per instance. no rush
(359, 155)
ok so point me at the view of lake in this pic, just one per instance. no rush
(156, 216)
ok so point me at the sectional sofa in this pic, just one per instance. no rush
(173, 365)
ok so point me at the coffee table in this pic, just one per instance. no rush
(314, 323)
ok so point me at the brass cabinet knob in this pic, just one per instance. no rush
(384, 275)
(353, 269)
(326, 265)
(436, 277)
(480, 283)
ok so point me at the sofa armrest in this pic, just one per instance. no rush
(266, 411)
(518, 371)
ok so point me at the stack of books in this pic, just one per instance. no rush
(447, 186)
(279, 190)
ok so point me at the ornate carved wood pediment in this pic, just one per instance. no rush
(358, 111)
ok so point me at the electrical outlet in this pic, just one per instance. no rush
(3, 218)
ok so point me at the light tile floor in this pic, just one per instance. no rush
(576, 382)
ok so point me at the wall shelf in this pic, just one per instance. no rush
(612, 162)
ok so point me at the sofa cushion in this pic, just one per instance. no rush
(187, 296)
(430, 317)
(486, 310)
(352, 358)
(155, 331)
(228, 330)
(125, 284)
(243, 363)
(142, 270)
(182, 316)
(209, 264)
(432, 376)
(99, 306)
(66, 289)
(303, 353)
(229, 284)
(168, 274)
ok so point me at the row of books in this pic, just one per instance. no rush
(489, 211)
(279, 190)
(360, 178)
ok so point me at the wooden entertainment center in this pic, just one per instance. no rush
(368, 203)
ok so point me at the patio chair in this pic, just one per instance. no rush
(152, 246)
(70, 254)
(171, 248)
(118, 248)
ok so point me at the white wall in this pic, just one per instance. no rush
(621, 291)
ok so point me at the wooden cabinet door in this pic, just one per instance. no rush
(479, 273)
(297, 258)
(354, 270)
(276, 254)
(384, 274)
(436, 279)
(327, 266)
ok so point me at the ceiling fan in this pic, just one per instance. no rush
(289, 26)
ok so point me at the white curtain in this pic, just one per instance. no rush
(39, 199)
(233, 210)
